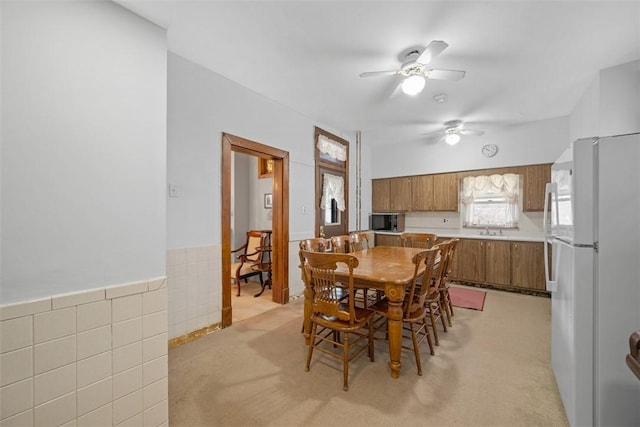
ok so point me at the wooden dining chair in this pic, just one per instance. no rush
(330, 313)
(318, 244)
(341, 244)
(414, 305)
(250, 255)
(434, 306)
(444, 285)
(359, 241)
(418, 240)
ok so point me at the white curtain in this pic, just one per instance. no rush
(333, 188)
(505, 186)
(332, 148)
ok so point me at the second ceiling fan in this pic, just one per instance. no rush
(415, 70)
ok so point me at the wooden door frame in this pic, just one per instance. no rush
(337, 167)
(279, 221)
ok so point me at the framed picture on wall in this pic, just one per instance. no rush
(267, 201)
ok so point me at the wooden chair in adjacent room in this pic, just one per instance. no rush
(330, 313)
(251, 254)
(418, 240)
(414, 305)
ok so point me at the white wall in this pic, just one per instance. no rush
(620, 99)
(529, 143)
(83, 148)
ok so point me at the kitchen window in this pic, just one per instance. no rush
(491, 201)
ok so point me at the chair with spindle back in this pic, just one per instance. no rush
(359, 241)
(332, 314)
(414, 305)
(418, 240)
(341, 244)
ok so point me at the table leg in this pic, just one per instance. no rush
(395, 296)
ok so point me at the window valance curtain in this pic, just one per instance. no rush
(483, 186)
(333, 188)
(332, 148)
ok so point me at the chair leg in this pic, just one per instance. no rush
(345, 362)
(416, 350)
(434, 325)
(371, 348)
(426, 330)
(312, 341)
(446, 303)
(442, 316)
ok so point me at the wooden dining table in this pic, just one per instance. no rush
(385, 268)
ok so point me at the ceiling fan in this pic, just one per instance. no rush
(414, 68)
(452, 131)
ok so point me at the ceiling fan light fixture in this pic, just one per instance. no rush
(452, 138)
(413, 84)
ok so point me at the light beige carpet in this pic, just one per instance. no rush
(491, 369)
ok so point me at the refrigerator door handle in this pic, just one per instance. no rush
(552, 285)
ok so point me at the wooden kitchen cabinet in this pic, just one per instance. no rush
(445, 192)
(386, 240)
(437, 192)
(470, 260)
(535, 179)
(400, 194)
(497, 262)
(500, 263)
(527, 265)
(380, 200)
(422, 187)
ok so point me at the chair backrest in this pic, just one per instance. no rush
(440, 274)
(255, 240)
(417, 295)
(359, 241)
(453, 244)
(319, 244)
(320, 277)
(418, 240)
(341, 244)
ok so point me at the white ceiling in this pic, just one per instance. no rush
(525, 61)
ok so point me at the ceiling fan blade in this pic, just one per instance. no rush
(431, 51)
(451, 75)
(432, 134)
(472, 132)
(379, 73)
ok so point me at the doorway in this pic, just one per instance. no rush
(279, 224)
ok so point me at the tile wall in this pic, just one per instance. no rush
(93, 358)
(194, 289)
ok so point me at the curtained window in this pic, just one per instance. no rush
(331, 150)
(332, 197)
(491, 201)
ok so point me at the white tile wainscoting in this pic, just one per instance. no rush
(92, 358)
(194, 289)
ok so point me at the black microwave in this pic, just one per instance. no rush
(386, 222)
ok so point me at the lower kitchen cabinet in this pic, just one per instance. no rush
(387, 240)
(500, 263)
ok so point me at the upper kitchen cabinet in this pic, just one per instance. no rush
(422, 187)
(400, 194)
(380, 201)
(445, 192)
(535, 179)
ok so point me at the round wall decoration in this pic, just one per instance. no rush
(489, 150)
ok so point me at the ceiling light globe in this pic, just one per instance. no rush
(452, 139)
(413, 85)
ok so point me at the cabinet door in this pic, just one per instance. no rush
(422, 193)
(445, 192)
(470, 260)
(400, 194)
(498, 262)
(380, 201)
(527, 265)
(535, 179)
(387, 240)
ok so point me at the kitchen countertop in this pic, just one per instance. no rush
(510, 235)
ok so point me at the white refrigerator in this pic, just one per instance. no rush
(593, 231)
